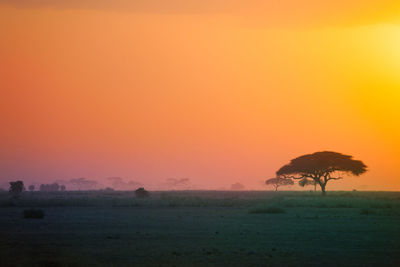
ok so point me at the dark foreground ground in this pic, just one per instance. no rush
(202, 229)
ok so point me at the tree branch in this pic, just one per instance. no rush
(294, 177)
(335, 178)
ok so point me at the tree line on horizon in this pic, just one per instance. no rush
(315, 169)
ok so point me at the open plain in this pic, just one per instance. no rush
(202, 228)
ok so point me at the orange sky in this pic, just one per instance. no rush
(216, 91)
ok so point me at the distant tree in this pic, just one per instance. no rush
(83, 183)
(306, 182)
(116, 182)
(54, 187)
(142, 193)
(31, 188)
(177, 183)
(62, 188)
(16, 188)
(276, 182)
(322, 167)
(237, 186)
(119, 184)
(133, 184)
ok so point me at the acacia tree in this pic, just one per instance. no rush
(322, 167)
(279, 181)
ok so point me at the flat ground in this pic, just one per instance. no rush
(208, 228)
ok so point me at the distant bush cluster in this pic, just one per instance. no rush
(54, 187)
(16, 188)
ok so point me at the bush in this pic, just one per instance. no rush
(269, 210)
(142, 193)
(33, 214)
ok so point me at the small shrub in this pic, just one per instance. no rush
(142, 193)
(269, 210)
(33, 214)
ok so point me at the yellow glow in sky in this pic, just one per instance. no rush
(220, 95)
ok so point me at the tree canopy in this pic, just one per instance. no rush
(16, 188)
(276, 182)
(321, 167)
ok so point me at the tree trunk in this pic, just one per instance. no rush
(323, 189)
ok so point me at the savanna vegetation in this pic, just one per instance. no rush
(54, 227)
(200, 228)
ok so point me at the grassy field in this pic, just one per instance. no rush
(202, 228)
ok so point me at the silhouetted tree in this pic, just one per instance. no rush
(237, 186)
(31, 188)
(142, 193)
(118, 183)
(83, 183)
(54, 187)
(321, 167)
(306, 182)
(16, 188)
(279, 181)
(62, 188)
(133, 184)
(177, 183)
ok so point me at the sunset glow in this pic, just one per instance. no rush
(218, 93)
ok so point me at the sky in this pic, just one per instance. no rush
(215, 91)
